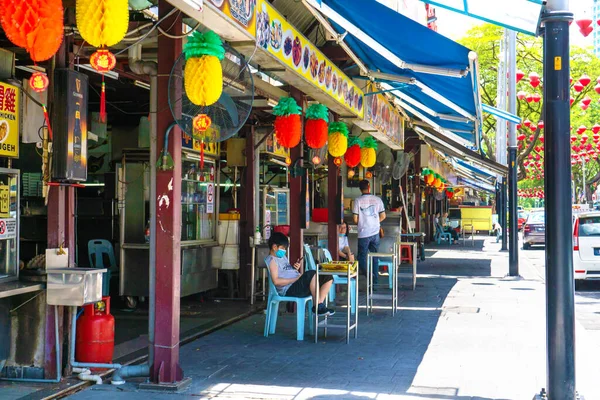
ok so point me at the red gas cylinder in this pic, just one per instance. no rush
(96, 333)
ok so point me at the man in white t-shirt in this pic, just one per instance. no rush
(368, 212)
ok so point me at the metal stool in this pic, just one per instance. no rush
(370, 295)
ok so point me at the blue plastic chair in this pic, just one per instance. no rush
(440, 234)
(97, 248)
(273, 309)
(342, 281)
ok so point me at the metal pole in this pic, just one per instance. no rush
(560, 302)
(513, 255)
(583, 177)
(503, 219)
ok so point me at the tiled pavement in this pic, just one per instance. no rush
(465, 333)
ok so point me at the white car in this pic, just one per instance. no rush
(586, 246)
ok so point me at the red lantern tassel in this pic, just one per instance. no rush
(103, 102)
(202, 154)
(47, 119)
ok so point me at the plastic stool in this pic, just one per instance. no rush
(408, 256)
(387, 264)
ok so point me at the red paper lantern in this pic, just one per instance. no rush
(533, 128)
(578, 87)
(103, 61)
(584, 106)
(581, 129)
(315, 133)
(541, 124)
(583, 139)
(586, 31)
(571, 100)
(534, 77)
(520, 75)
(521, 95)
(36, 26)
(597, 88)
(288, 130)
(38, 82)
(352, 156)
(573, 139)
(586, 100)
(537, 98)
(542, 139)
(529, 98)
(527, 123)
(201, 122)
(583, 22)
(596, 128)
(518, 126)
(531, 138)
(521, 137)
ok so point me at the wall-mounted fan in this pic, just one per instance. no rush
(229, 113)
(383, 167)
(401, 165)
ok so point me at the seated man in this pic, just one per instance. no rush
(292, 280)
(448, 228)
(344, 252)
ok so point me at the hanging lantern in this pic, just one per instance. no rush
(581, 129)
(368, 154)
(578, 87)
(596, 128)
(201, 123)
(288, 127)
(351, 173)
(597, 88)
(36, 26)
(521, 138)
(537, 149)
(541, 124)
(521, 95)
(102, 23)
(584, 106)
(534, 79)
(586, 31)
(585, 80)
(586, 100)
(541, 139)
(527, 123)
(573, 139)
(38, 82)
(520, 75)
(315, 127)
(529, 98)
(316, 160)
(103, 61)
(533, 127)
(337, 161)
(338, 139)
(583, 139)
(352, 156)
(571, 100)
(203, 74)
(537, 98)
(437, 183)
(368, 175)
(526, 163)
(531, 138)
(575, 148)
(518, 126)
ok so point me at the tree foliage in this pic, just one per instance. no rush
(485, 40)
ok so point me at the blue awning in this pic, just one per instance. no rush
(501, 114)
(438, 74)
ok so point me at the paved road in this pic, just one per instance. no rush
(587, 295)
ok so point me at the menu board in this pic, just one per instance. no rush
(275, 35)
(241, 11)
(384, 117)
(9, 120)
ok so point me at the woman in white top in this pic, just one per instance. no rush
(344, 252)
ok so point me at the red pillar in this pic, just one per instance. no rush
(165, 365)
(296, 200)
(333, 207)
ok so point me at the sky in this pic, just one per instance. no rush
(455, 26)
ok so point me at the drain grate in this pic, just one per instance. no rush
(460, 310)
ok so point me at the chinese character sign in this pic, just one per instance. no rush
(9, 120)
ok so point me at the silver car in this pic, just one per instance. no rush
(534, 230)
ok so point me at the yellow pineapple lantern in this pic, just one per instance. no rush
(368, 154)
(102, 23)
(203, 74)
(338, 139)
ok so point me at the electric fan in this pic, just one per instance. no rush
(383, 167)
(401, 165)
(229, 113)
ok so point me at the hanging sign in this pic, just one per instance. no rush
(210, 198)
(9, 120)
(275, 35)
(384, 117)
(8, 228)
(272, 146)
(241, 11)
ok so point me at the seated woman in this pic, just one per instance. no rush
(448, 228)
(292, 280)
(344, 252)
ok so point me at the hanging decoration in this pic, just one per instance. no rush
(203, 74)
(315, 127)
(541, 124)
(581, 129)
(536, 98)
(352, 156)
(585, 26)
(584, 80)
(596, 128)
(288, 127)
(578, 87)
(39, 82)
(571, 101)
(534, 79)
(521, 95)
(520, 75)
(102, 24)
(201, 124)
(529, 98)
(36, 26)
(338, 139)
(368, 153)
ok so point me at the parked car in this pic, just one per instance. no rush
(586, 246)
(521, 219)
(534, 230)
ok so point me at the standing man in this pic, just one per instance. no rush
(368, 213)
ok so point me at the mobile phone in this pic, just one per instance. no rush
(300, 259)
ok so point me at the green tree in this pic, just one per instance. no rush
(485, 40)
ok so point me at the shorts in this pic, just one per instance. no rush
(301, 288)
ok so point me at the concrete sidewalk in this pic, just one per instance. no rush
(465, 333)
